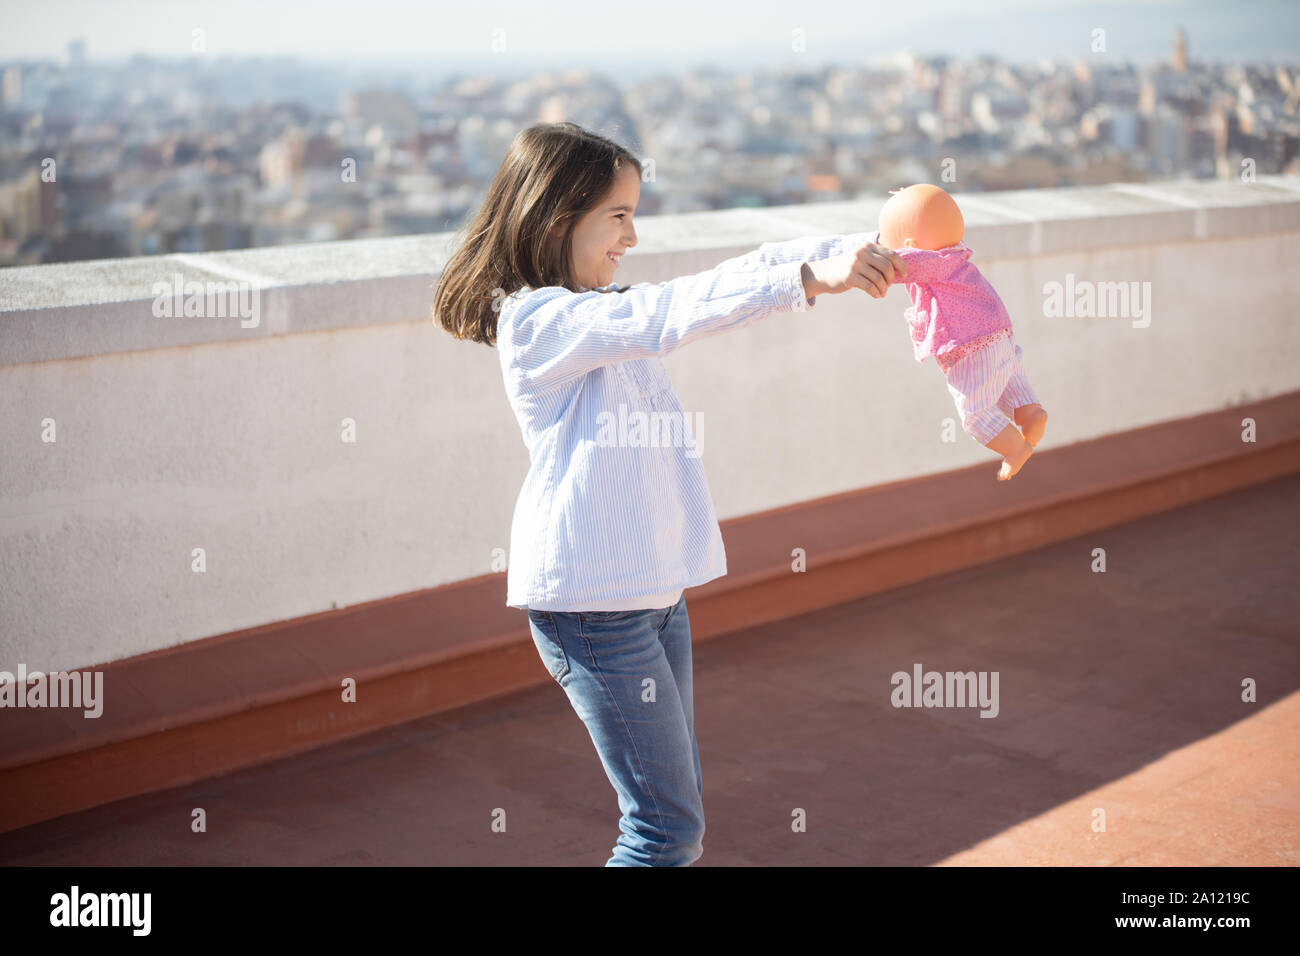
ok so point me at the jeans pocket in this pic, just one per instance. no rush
(600, 617)
(546, 638)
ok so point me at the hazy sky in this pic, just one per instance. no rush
(670, 32)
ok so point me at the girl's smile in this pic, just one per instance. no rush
(603, 234)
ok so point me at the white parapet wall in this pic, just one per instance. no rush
(222, 440)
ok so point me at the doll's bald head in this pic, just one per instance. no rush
(921, 217)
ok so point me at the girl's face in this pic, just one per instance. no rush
(604, 233)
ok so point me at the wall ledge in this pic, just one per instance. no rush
(70, 310)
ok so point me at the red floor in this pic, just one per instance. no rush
(1120, 694)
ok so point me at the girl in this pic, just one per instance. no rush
(605, 539)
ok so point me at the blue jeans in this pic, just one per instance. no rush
(628, 676)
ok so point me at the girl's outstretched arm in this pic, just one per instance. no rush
(551, 336)
(803, 249)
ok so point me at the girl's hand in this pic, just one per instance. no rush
(871, 267)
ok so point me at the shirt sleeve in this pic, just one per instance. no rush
(555, 335)
(803, 249)
(923, 266)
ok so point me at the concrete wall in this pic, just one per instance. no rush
(175, 434)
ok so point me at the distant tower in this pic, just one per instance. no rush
(77, 53)
(12, 92)
(1180, 50)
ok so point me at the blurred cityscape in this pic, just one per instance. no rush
(152, 156)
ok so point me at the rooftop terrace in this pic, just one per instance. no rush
(379, 559)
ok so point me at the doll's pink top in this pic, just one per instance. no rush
(954, 309)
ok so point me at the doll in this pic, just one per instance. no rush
(958, 318)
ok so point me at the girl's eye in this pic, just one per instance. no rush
(621, 215)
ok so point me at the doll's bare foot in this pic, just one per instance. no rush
(1013, 448)
(1032, 420)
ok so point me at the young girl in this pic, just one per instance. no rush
(605, 539)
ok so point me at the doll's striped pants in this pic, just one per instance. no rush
(987, 386)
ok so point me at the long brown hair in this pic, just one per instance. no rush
(551, 175)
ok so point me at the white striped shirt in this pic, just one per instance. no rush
(601, 526)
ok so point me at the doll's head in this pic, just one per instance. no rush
(921, 217)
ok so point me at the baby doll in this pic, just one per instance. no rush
(958, 318)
